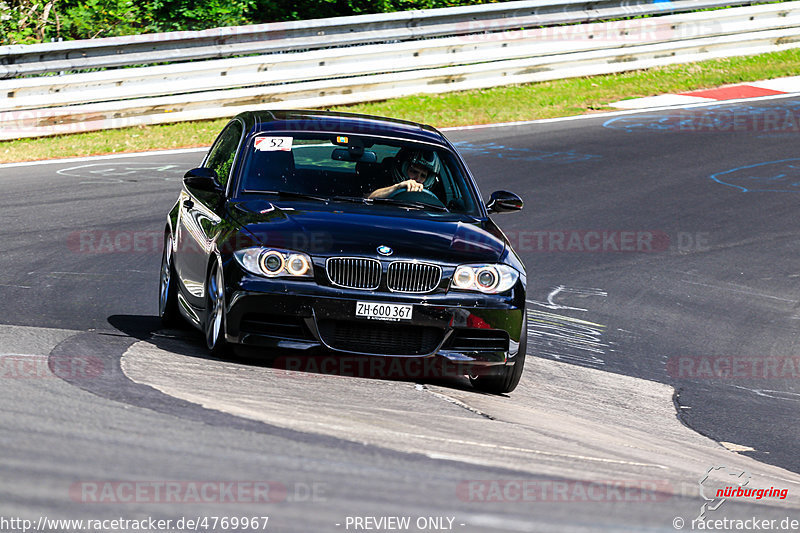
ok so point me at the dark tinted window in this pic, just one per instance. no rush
(223, 152)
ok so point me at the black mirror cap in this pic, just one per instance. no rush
(504, 202)
(202, 179)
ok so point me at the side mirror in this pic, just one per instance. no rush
(504, 202)
(202, 179)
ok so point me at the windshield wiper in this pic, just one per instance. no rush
(417, 205)
(354, 199)
(291, 194)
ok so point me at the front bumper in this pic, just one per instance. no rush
(465, 328)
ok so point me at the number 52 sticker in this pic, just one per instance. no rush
(272, 144)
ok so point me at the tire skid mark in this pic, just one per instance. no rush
(566, 339)
(454, 401)
(774, 394)
(561, 289)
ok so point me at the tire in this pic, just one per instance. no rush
(168, 288)
(214, 326)
(508, 379)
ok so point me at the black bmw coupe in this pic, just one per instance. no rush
(345, 234)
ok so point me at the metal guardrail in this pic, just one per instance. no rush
(372, 57)
(18, 60)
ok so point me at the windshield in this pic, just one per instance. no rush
(347, 168)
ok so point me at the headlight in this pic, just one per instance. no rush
(489, 279)
(298, 264)
(273, 263)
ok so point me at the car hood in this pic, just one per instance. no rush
(338, 229)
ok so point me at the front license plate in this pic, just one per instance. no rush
(380, 311)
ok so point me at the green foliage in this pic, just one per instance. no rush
(103, 18)
(30, 21)
(278, 10)
(87, 19)
(177, 15)
(25, 21)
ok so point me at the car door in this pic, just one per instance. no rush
(199, 219)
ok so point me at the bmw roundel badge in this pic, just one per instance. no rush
(385, 250)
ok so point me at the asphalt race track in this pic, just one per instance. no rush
(663, 275)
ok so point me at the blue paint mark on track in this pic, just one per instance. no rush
(522, 154)
(779, 118)
(770, 176)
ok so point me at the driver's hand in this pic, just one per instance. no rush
(410, 185)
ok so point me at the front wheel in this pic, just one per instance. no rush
(508, 378)
(214, 327)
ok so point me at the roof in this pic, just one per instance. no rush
(332, 122)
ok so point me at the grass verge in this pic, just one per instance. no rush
(502, 104)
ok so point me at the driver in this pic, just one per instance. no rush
(413, 171)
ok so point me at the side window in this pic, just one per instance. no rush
(220, 159)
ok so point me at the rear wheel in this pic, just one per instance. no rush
(214, 327)
(508, 378)
(167, 287)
